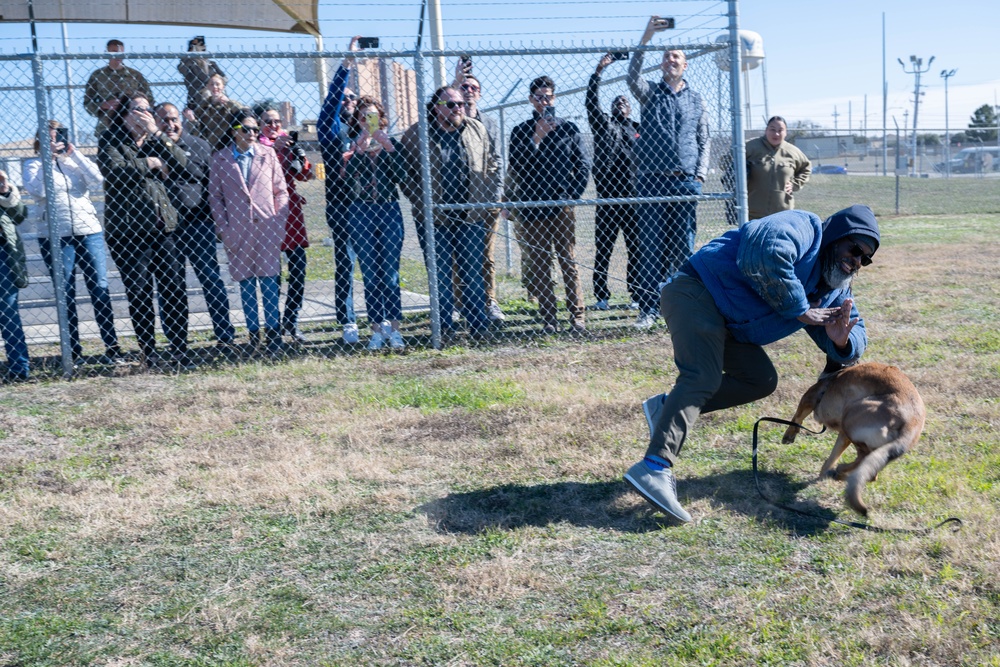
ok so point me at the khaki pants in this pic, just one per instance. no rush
(715, 371)
(492, 225)
(539, 239)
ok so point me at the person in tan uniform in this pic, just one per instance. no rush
(106, 86)
(775, 171)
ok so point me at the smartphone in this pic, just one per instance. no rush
(665, 23)
(368, 42)
(293, 135)
(200, 39)
(62, 135)
(549, 112)
(466, 64)
(619, 55)
(372, 123)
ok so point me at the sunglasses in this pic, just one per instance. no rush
(544, 98)
(451, 104)
(470, 87)
(350, 97)
(249, 129)
(858, 251)
(273, 121)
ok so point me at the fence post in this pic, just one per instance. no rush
(55, 241)
(739, 143)
(419, 63)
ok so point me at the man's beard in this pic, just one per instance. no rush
(833, 275)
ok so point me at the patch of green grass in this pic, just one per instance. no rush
(441, 394)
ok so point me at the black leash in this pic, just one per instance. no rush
(956, 522)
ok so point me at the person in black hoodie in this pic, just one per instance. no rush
(614, 135)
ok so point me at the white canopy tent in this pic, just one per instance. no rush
(299, 16)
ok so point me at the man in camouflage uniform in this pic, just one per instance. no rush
(106, 85)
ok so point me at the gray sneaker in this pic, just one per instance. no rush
(659, 488)
(651, 408)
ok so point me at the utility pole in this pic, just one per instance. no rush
(947, 74)
(917, 64)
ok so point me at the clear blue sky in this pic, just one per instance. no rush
(819, 54)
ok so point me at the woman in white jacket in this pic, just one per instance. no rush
(81, 235)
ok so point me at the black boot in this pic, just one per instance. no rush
(275, 346)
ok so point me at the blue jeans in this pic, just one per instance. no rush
(296, 286)
(460, 248)
(196, 243)
(377, 235)
(87, 251)
(666, 234)
(338, 219)
(10, 322)
(269, 292)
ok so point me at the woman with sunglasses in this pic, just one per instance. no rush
(373, 171)
(296, 167)
(249, 201)
(139, 219)
(81, 236)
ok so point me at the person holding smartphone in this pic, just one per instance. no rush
(335, 131)
(548, 161)
(296, 167)
(373, 172)
(472, 92)
(615, 136)
(81, 235)
(672, 161)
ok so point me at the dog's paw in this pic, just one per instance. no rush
(828, 474)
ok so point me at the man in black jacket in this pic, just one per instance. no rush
(614, 135)
(195, 234)
(548, 161)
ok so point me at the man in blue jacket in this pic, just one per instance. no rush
(333, 133)
(750, 287)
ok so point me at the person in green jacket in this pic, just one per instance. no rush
(776, 170)
(13, 276)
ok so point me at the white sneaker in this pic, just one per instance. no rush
(645, 321)
(396, 340)
(377, 341)
(494, 313)
(351, 333)
(600, 305)
(634, 305)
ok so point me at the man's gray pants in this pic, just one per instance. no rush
(715, 371)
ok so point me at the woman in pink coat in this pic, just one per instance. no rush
(249, 200)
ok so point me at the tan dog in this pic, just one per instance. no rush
(872, 406)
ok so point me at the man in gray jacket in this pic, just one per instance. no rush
(672, 161)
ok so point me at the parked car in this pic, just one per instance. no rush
(829, 169)
(972, 160)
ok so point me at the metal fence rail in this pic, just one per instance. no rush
(261, 263)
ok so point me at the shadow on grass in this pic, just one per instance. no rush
(612, 505)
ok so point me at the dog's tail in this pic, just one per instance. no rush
(868, 469)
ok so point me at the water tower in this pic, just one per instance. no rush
(752, 57)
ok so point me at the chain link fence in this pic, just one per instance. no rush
(235, 207)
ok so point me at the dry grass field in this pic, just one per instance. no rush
(466, 507)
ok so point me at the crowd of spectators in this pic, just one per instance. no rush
(179, 178)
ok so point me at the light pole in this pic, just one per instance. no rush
(916, 71)
(947, 74)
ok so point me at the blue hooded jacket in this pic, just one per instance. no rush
(768, 272)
